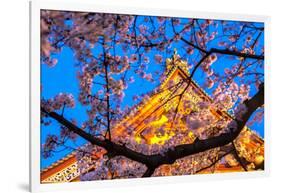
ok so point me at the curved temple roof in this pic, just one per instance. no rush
(66, 169)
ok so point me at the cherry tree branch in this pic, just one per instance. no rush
(149, 171)
(235, 53)
(237, 157)
(216, 161)
(154, 161)
(223, 139)
(107, 94)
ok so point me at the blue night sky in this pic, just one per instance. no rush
(63, 79)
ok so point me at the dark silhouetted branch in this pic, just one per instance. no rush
(148, 172)
(177, 152)
(237, 157)
(214, 162)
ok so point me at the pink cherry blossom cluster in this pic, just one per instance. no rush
(240, 110)
(158, 58)
(59, 101)
(50, 144)
(226, 95)
(66, 133)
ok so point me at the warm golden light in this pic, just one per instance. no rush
(160, 139)
(159, 122)
(138, 139)
(259, 159)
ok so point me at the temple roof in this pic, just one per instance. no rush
(174, 66)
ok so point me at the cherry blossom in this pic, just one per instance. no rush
(114, 53)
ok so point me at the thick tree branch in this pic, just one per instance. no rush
(113, 148)
(148, 172)
(223, 139)
(180, 151)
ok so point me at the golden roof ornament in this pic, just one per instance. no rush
(174, 62)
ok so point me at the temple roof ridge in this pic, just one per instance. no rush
(174, 62)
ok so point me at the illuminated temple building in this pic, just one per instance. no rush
(251, 146)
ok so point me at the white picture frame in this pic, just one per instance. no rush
(36, 6)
